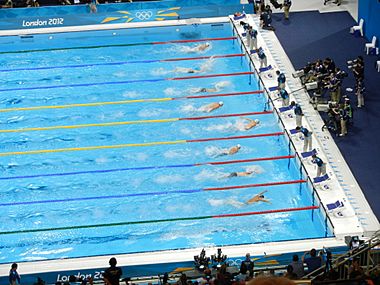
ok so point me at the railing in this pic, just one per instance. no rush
(292, 147)
(366, 254)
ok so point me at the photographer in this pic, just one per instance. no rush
(332, 86)
(266, 19)
(333, 122)
(286, 6)
(357, 67)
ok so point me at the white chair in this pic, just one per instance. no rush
(371, 45)
(378, 65)
(358, 27)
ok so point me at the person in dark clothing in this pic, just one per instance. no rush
(112, 274)
(248, 264)
(313, 262)
(14, 277)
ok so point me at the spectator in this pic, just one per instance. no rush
(112, 274)
(243, 272)
(8, 4)
(182, 280)
(14, 277)
(32, 3)
(313, 262)
(290, 273)
(297, 267)
(270, 281)
(355, 271)
(249, 264)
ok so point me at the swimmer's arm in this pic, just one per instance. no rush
(266, 201)
(261, 193)
(248, 119)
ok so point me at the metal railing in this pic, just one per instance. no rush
(366, 254)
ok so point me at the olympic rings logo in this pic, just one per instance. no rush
(143, 15)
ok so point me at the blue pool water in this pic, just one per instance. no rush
(104, 174)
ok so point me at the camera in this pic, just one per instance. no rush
(311, 85)
(298, 73)
(201, 261)
(218, 259)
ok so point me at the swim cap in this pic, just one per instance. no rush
(257, 121)
(221, 103)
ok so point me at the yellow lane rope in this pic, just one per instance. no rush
(90, 148)
(84, 105)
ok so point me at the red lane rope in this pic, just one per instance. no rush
(203, 57)
(210, 75)
(255, 185)
(267, 212)
(220, 95)
(194, 41)
(225, 116)
(237, 137)
(246, 160)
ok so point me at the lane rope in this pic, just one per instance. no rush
(189, 191)
(146, 167)
(125, 82)
(160, 220)
(41, 151)
(121, 45)
(121, 63)
(111, 124)
(128, 101)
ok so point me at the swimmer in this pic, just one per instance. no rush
(206, 66)
(216, 88)
(257, 198)
(197, 48)
(211, 107)
(186, 70)
(240, 174)
(229, 151)
(202, 47)
(251, 123)
(233, 150)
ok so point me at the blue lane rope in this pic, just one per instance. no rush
(80, 65)
(96, 171)
(101, 197)
(83, 84)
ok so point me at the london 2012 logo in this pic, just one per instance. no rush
(143, 15)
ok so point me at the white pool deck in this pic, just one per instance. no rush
(356, 218)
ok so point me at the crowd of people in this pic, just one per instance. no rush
(324, 80)
(215, 270)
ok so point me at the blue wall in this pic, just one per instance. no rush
(73, 15)
(369, 10)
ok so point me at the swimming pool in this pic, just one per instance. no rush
(104, 142)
